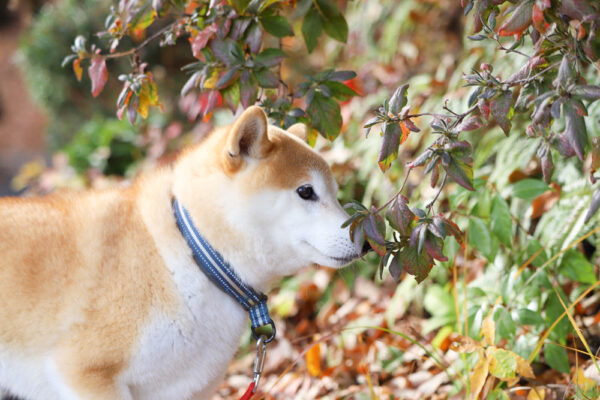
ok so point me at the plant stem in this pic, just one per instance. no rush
(397, 193)
(143, 44)
(430, 205)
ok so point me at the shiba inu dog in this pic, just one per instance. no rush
(102, 298)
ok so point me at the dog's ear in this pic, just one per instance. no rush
(248, 137)
(299, 130)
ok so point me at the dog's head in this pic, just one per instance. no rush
(273, 196)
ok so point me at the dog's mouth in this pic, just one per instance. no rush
(338, 260)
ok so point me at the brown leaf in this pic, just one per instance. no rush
(313, 360)
(488, 331)
(98, 74)
(545, 201)
(523, 367)
(480, 373)
(464, 344)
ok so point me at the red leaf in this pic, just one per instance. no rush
(501, 108)
(484, 108)
(434, 247)
(199, 41)
(411, 126)
(454, 230)
(575, 129)
(98, 74)
(469, 124)
(539, 22)
(519, 20)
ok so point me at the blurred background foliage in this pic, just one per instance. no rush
(518, 271)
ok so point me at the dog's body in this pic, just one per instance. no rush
(101, 296)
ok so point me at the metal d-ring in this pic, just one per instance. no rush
(257, 335)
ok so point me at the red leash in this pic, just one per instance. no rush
(249, 392)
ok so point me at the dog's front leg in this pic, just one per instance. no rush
(90, 385)
(207, 392)
(88, 375)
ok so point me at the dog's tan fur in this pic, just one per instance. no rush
(85, 277)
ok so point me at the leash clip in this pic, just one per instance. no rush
(259, 361)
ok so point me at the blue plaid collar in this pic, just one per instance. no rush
(221, 274)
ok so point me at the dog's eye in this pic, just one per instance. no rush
(306, 192)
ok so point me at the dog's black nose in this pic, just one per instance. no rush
(366, 247)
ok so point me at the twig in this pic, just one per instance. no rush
(397, 193)
(501, 47)
(144, 43)
(531, 78)
(430, 205)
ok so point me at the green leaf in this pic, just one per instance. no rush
(399, 216)
(339, 90)
(269, 57)
(505, 325)
(398, 99)
(248, 88)
(239, 5)
(342, 76)
(325, 115)
(526, 316)
(374, 230)
(277, 26)
(529, 189)
(588, 92)
(557, 358)
(223, 50)
(227, 78)
(497, 394)
(461, 173)
(231, 94)
(267, 79)
(312, 26)
(501, 221)
(532, 247)
(334, 23)
(415, 263)
(142, 20)
(575, 266)
(503, 364)
(554, 310)
(389, 147)
(479, 236)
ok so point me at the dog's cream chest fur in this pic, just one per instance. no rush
(182, 353)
